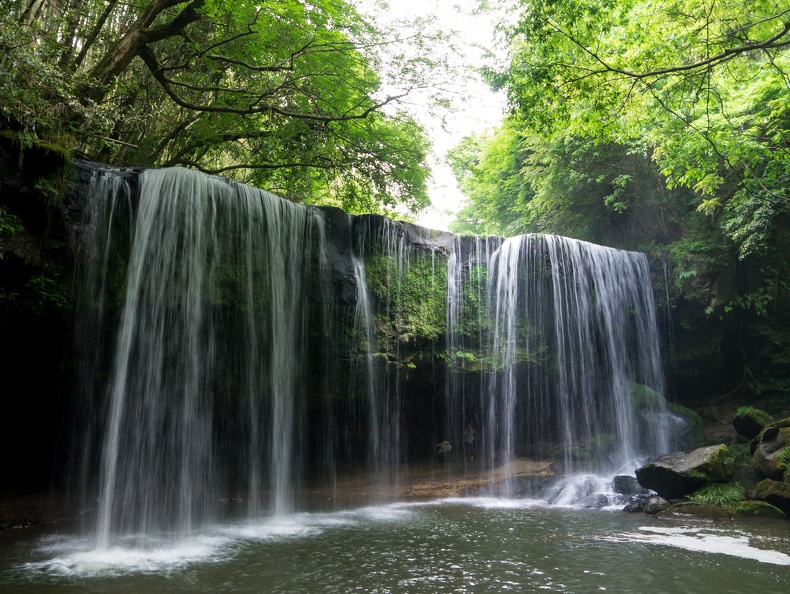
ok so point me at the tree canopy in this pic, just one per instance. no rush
(700, 87)
(285, 95)
(644, 124)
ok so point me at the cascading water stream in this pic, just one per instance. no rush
(568, 327)
(211, 335)
(382, 244)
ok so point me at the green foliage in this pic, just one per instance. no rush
(9, 224)
(783, 458)
(290, 96)
(488, 169)
(696, 258)
(47, 290)
(640, 125)
(410, 291)
(719, 494)
(35, 93)
(700, 86)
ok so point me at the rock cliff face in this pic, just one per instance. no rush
(35, 324)
(724, 358)
(728, 341)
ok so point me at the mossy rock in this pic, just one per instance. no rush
(680, 473)
(771, 453)
(686, 426)
(775, 493)
(749, 421)
(691, 510)
(717, 466)
(753, 509)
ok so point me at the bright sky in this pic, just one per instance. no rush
(479, 110)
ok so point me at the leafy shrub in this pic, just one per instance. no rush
(719, 494)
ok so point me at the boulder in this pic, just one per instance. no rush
(679, 474)
(771, 452)
(655, 504)
(636, 503)
(596, 500)
(627, 485)
(754, 509)
(750, 421)
(775, 493)
(692, 510)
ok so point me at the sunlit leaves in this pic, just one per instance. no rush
(703, 83)
(285, 94)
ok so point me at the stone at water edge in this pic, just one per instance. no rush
(771, 451)
(679, 474)
(692, 510)
(628, 485)
(655, 504)
(749, 421)
(775, 493)
(596, 500)
(636, 503)
(753, 509)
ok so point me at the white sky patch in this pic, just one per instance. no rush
(475, 107)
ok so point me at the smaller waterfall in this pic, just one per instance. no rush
(564, 330)
(379, 244)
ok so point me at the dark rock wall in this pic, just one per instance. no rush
(713, 357)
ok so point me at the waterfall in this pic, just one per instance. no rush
(204, 388)
(564, 329)
(237, 347)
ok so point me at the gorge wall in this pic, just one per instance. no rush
(705, 354)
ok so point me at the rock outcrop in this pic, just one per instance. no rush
(771, 451)
(775, 493)
(750, 421)
(655, 504)
(679, 474)
(693, 510)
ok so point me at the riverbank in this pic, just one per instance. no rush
(30, 509)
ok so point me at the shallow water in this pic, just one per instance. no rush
(453, 545)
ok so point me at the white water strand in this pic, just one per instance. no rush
(606, 338)
(157, 461)
(503, 292)
(567, 327)
(193, 382)
(379, 239)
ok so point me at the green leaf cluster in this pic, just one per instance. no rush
(288, 95)
(719, 494)
(645, 125)
(699, 87)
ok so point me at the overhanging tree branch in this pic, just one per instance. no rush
(157, 71)
(776, 41)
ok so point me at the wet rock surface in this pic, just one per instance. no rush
(681, 473)
(749, 421)
(655, 504)
(691, 510)
(775, 493)
(771, 451)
